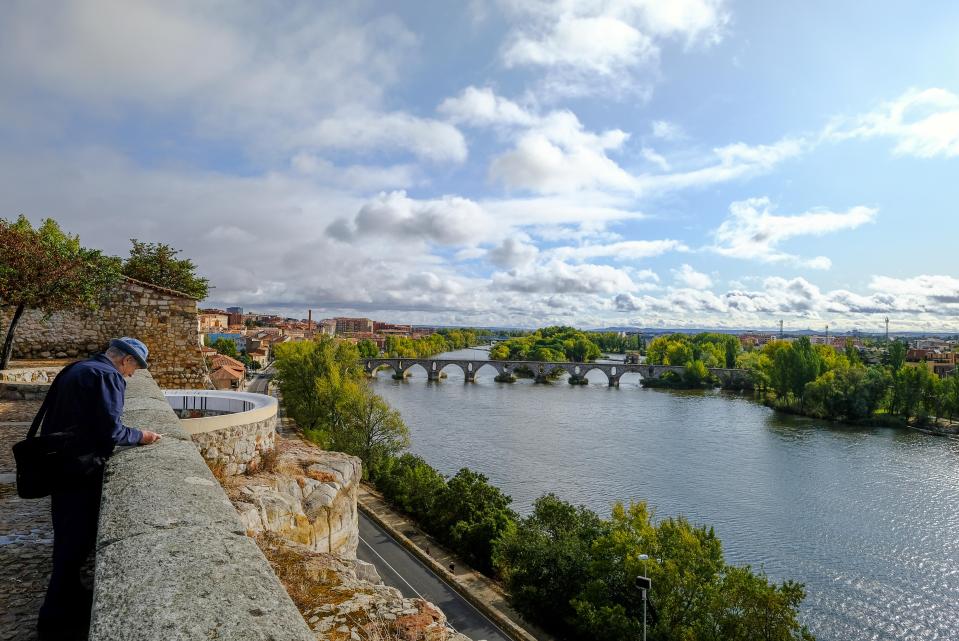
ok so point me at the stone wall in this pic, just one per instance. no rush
(163, 319)
(172, 558)
(239, 448)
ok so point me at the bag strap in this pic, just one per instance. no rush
(51, 393)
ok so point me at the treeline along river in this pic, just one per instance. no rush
(867, 518)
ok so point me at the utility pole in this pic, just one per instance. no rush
(887, 329)
(780, 329)
(827, 334)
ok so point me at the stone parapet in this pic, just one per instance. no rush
(172, 559)
(233, 430)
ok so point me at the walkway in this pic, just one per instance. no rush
(484, 592)
(26, 544)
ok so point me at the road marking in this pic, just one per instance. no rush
(430, 570)
(395, 571)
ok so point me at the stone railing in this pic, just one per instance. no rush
(232, 429)
(172, 559)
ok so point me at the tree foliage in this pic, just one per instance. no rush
(575, 574)
(226, 347)
(367, 348)
(555, 344)
(157, 263)
(47, 269)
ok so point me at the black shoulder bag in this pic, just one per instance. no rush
(55, 462)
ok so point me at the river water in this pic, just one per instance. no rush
(867, 518)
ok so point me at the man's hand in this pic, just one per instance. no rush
(149, 437)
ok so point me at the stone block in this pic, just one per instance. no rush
(162, 486)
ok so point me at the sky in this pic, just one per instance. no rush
(692, 163)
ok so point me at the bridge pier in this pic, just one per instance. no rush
(614, 380)
(576, 379)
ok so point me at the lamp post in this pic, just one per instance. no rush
(644, 584)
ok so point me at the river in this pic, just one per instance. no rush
(867, 518)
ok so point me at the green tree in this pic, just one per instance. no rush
(372, 430)
(48, 270)
(318, 379)
(474, 513)
(414, 486)
(545, 557)
(157, 263)
(226, 347)
(367, 348)
(895, 355)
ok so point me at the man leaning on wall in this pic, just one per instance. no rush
(86, 399)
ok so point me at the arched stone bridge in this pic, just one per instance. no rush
(541, 370)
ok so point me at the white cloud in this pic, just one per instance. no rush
(657, 159)
(512, 253)
(450, 220)
(689, 277)
(559, 155)
(377, 132)
(482, 107)
(605, 46)
(623, 250)
(752, 231)
(922, 123)
(354, 177)
(667, 130)
(557, 276)
(308, 77)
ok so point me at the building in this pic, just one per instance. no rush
(238, 339)
(347, 326)
(212, 320)
(327, 326)
(940, 363)
(227, 373)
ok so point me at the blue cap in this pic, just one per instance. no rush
(133, 347)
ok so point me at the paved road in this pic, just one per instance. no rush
(258, 383)
(400, 569)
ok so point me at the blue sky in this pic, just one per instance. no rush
(497, 162)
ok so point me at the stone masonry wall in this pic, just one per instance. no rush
(237, 449)
(163, 319)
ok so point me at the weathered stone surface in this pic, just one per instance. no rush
(338, 603)
(190, 583)
(162, 486)
(163, 319)
(238, 449)
(308, 497)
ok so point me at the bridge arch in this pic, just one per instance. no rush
(483, 365)
(443, 366)
(374, 368)
(416, 364)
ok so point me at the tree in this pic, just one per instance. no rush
(157, 263)
(895, 355)
(544, 558)
(48, 270)
(474, 513)
(226, 347)
(414, 486)
(372, 430)
(367, 348)
(318, 379)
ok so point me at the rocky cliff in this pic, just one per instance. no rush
(304, 495)
(300, 507)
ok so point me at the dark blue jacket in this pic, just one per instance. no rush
(89, 397)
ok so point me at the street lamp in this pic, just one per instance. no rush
(644, 584)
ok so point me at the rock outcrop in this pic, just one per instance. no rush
(305, 495)
(340, 603)
(301, 509)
